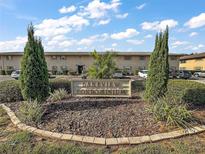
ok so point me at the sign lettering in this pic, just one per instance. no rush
(101, 88)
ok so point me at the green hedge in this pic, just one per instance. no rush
(10, 91)
(60, 84)
(138, 85)
(2, 72)
(190, 92)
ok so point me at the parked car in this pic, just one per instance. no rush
(16, 74)
(127, 71)
(183, 74)
(199, 74)
(143, 73)
(172, 74)
(118, 74)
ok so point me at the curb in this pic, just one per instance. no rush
(102, 141)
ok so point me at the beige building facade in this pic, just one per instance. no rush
(78, 61)
(195, 62)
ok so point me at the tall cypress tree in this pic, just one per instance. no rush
(156, 84)
(164, 63)
(34, 73)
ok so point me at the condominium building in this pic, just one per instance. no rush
(78, 61)
(195, 62)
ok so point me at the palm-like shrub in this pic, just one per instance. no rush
(30, 111)
(172, 112)
(58, 95)
(103, 66)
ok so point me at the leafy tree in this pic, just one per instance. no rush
(158, 71)
(34, 73)
(103, 66)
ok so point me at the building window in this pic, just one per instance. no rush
(198, 68)
(142, 57)
(54, 57)
(127, 57)
(8, 57)
(54, 68)
(0, 67)
(173, 58)
(64, 68)
(182, 61)
(63, 57)
(10, 68)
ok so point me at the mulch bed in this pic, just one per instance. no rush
(98, 117)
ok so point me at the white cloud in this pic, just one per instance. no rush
(13, 45)
(97, 9)
(26, 17)
(130, 32)
(196, 22)
(66, 43)
(114, 44)
(159, 25)
(178, 43)
(140, 7)
(53, 27)
(135, 42)
(148, 36)
(198, 47)
(104, 22)
(95, 38)
(193, 34)
(86, 41)
(122, 16)
(68, 9)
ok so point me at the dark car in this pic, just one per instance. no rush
(183, 74)
(172, 74)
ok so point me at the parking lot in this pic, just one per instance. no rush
(7, 77)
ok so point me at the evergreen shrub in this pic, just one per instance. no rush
(10, 91)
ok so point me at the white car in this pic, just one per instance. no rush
(199, 74)
(118, 74)
(16, 74)
(143, 73)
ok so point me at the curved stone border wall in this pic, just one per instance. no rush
(102, 141)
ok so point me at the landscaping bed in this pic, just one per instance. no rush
(14, 141)
(116, 117)
(98, 117)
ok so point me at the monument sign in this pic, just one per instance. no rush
(101, 88)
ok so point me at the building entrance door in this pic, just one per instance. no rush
(80, 69)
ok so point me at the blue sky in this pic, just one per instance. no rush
(121, 25)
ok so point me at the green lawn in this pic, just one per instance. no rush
(13, 141)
